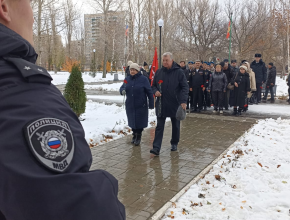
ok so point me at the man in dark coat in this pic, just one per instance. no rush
(288, 84)
(187, 74)
(234, 67)
(183, 66)
(171, 88)
(227, 69)
(44, 157)
(260, 70)
(197, 82)
(271, 81)
(137, 88)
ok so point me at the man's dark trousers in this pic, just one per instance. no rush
(160, 130)
(226, 99)
(259, 91)
(271, 91)
(197, 98)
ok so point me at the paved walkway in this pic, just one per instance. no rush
(145, 184)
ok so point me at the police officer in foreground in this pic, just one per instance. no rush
(44, 157)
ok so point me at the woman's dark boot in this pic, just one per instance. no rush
(235, 111)
(138, 139)
(239, 112)
(134, 138)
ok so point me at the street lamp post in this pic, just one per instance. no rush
(160, 23)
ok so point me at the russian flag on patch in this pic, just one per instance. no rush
(54, 143)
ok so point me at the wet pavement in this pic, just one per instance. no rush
(146, 184)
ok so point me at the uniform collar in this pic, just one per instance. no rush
(13, 45)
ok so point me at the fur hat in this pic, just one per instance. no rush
(145, 64)
(129, 63)
(135, 66)
(222, 64)
(271, 64)
(244, 67)
(226, 60)
(233, 61)
(258, 55)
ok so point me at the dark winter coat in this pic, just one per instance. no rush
(229, 73)
(271, 76)
(197, 79)
(207, 78)
(174, 90)
(144, 73)
(218, 82)
(235, 70)
(30, 109)
(260, 71)
(137, 90)
(240, 92)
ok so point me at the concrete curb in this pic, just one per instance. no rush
(160, 213)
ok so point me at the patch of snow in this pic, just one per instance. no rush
(117, 98)
(282, 88)
(106, 122)
(105, 87)
(250, 183)
(270, 109)
(61, 77)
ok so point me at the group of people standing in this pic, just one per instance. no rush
(196, 87)
(225, 85)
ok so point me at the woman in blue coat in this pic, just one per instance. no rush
(137, 89)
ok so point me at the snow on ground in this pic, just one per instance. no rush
(61, 77)
(106, 122)
(113, 98)
(105, 87)
(282, 88)
(275, 109)
(251, 183)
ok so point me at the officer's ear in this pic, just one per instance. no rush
(4, 11)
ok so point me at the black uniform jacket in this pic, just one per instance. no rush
(44, 157)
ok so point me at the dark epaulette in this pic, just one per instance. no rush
(30, 72)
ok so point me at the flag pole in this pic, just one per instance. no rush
(230, 37)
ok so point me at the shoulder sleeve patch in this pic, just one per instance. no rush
(51, 142)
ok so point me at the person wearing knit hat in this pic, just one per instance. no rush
(137, 89)
(134, 66)
(241, 87)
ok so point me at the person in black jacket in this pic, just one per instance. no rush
(187, 73)
(271, 81)
(241, 89)
(218, 86)
(137, 89)
(260, 70)
(171, 89)
(206, 95)
(45, 159)
(197, 81)
(227, 69)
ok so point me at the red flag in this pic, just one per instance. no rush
(229, 30)
(154, 66)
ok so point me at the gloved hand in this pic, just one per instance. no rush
(124, 92)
